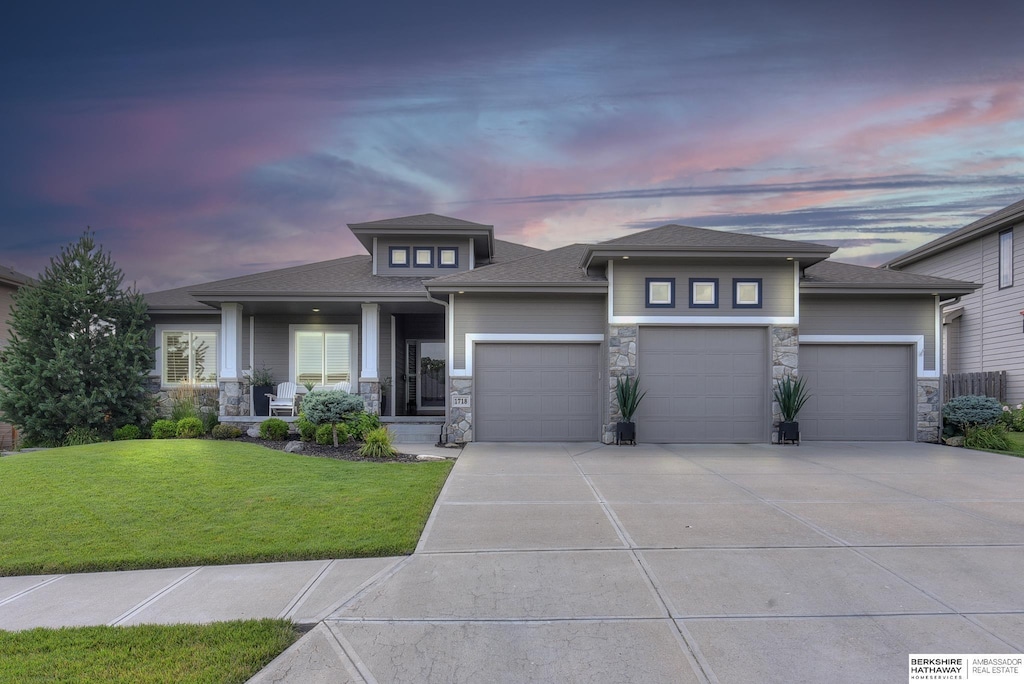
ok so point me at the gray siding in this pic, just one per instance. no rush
(272, 344)
(412, 271)
(537, 313)
(630, 297)
(989, 337)
(871, 315)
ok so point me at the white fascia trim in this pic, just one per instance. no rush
(916, 340)
(373, 259)
(472, 254)
(796, 292)
(353, 331)
(473, 338)
(938, 337)
(610, 274)
(703, 320)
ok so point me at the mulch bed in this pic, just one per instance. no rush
(344, 452)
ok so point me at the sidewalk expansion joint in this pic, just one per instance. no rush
(154, 598)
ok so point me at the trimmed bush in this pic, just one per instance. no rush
(225, 431)
(992, 437)
(127, 432)
(325, 434)
(164, 429)
(81, 435)
(189, 428)
(330, 406)
(972, 410)
(307, 428)
(274, 428)
(363, 423)
(377, 444)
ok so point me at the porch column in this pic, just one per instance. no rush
(371, 342)
(369, 380)
(233, 399)
(231, 342)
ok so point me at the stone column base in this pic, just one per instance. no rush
(370, 392)
(460, 418)
(234, 398)
(928, 415)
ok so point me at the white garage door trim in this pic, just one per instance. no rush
(473, 338)
(549, 423)
(916, 340)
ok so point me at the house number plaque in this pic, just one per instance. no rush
(460, 401)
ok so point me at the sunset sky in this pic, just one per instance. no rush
(207, 140)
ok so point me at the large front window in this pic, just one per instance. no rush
(188, 356)
(323, 356)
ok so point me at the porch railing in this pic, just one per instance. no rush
(990, 384)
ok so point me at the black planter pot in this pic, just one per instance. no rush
(383, 404)
(789, 431)
(625, 433)
(260, 400)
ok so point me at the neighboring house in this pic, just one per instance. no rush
(502, 342)
(984, 330)
(10, 282)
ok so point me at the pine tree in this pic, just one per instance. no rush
(79, 350)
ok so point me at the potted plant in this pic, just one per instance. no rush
(628, 395)
(791, 395)
(261, 383)
(385, 387)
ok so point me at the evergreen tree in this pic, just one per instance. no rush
(79, 350)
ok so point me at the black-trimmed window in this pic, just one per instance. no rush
(1006, 259)
(398, 257)
(703, 293)
(447, 257)
(423, 257)
(746, 293)
(661, 293)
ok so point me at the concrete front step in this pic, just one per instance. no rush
(412, 433)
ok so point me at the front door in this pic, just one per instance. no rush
(425, 373)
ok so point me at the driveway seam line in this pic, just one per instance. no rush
(382, 575)
(350, 653)
(299, 597)
(23, 592)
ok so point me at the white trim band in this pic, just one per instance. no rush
(473, 338)
(916, 340)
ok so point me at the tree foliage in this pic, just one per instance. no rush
(330, 407)
(79, 351)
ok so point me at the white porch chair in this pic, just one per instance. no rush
(284, 399)
(344, 386)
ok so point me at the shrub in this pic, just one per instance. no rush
(791, 395)
(164, 429)
(274, 428)
(330, 406)
(325, 433)
(972, 410)
(127, 432)
(991, 437)
(210, 420)
(307, 428)
(361, 424)
(81, 435)
(628, 396)
(224, 431)
(377, 444)
(189, 428)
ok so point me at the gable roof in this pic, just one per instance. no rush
(420, 221)
(12, 277)
(674, 240)
(557, 268)
(996, 221)
(838, 277)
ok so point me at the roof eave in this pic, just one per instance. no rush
(565, 288)
(215, 298)
(861, 288)
(941, 244)
(599, 254)
(160, 310)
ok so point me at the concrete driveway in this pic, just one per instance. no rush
(754, 563)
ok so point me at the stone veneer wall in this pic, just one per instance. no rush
(785, 350)
(370, 392)
(234, 398)
(621, 362)
(928, 411)
(460, 419)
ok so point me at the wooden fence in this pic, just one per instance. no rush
(992, 384)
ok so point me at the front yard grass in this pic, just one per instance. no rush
(169, 503)
(1016, 442)
(219, 652)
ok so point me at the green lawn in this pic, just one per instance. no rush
(220, 652)
(167, 503)
(1017, 442)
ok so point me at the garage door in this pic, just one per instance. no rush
(536, 392)
(703, 385)
(860, 392)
